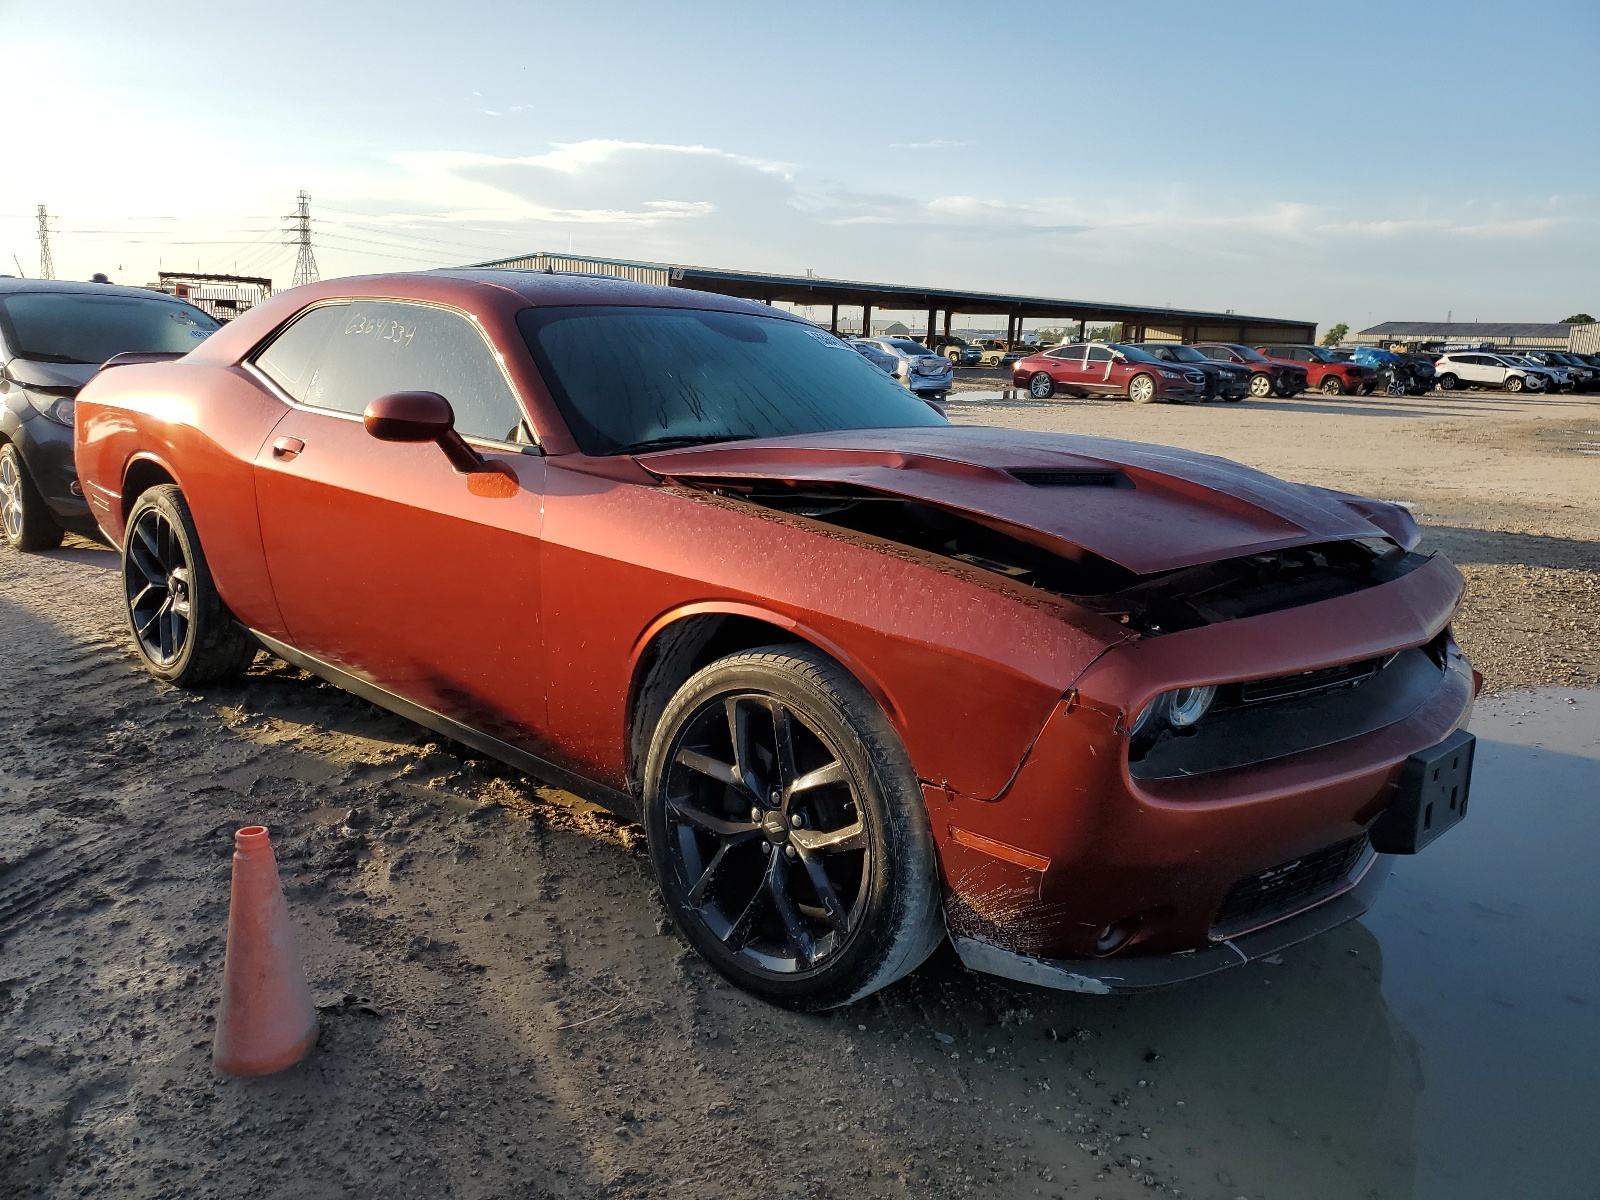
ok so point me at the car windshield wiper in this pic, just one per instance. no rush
(678, 441)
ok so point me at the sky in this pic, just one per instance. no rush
(1358, 163)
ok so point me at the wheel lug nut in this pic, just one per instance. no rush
(755, 814)
(776, 798)
(766, 847)
(797, 820)
(791, 852)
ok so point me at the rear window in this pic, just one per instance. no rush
(81, 327)
(630, 379)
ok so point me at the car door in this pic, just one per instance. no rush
(386, 562)
(1487, 369)
(1066, 366)
(1099, 372)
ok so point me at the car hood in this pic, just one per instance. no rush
(52, 375)
(1147, 508)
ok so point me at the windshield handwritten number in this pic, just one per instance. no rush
(388, 331)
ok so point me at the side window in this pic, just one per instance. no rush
(1069, 353)
(1099, 354)
(343, 356)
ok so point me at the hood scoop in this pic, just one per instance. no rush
(1045, 477)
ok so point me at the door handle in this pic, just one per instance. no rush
(287, 448)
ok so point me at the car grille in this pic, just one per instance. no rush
(1258, 899)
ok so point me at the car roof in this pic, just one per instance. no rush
(73, 287)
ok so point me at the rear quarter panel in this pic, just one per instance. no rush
(203, 425)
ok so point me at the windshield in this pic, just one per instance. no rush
(1184, 354)
(1321, 355)
(630, 378)
(1247, 354)
(1134, 354)
(907, 347)
(80, 327)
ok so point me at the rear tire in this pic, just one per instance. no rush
(788, 832)
(1260, 385)
(1041, 386)
(1448, 382)
(25, 519)
(182, 631)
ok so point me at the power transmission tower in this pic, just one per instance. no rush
(299, 229)
(47, 268)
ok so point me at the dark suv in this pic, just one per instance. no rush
(1224, 380)
(1267, 376)
(53, 337)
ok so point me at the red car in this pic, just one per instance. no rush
(1105, 369)
(1325, 371)
(1268, 377)
(1109, 715)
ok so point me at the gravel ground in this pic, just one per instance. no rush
(504, 1010)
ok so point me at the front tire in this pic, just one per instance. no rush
(182, 630)
(1141, 389)
(1514, 384)
(788, 831)
(1260, 386)
(1333, 386)
(1041, 386)
(25, 519)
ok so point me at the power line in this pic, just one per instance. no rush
(305, 263)
(47, 267)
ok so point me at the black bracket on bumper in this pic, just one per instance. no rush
(1105, 976)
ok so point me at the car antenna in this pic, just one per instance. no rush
(21, 274)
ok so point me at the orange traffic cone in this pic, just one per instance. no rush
(268, 1021)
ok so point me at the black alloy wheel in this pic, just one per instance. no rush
(1260, 385)
(25, 520)
(181, 629)
(788, 832)
(1041, 386)
(1332, 385)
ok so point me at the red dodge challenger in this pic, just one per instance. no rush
(1107, 715)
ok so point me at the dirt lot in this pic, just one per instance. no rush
(505, 1012)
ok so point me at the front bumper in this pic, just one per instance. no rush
(1085, 866)
(46, 449)
(1108, 975)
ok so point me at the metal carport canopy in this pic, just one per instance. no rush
(810, 290)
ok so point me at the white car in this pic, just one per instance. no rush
(927, 374)
(1464, 369)
(1559, 376)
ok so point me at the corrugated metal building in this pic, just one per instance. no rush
(1533, 335)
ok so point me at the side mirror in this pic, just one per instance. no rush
(423, 417)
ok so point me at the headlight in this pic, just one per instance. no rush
(57, 408)
(1170, 375)
(1188, 705)
(1178, 709)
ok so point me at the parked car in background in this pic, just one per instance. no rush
(959, 351)
(1326, 372)
(1224, 380)
(1105, 716)
(1481, 370)
(1021, 350)
(54, 335)
(1396, 374)
(992, 352)
(1580, 375)
(927, 374)
(1557, 378)
(880, 358)
(1267, 378)
(1107, 369)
